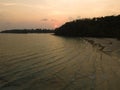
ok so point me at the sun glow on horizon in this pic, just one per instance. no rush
(55, 26)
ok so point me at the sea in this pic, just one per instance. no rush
(50, 62)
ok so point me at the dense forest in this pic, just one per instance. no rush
(108, 26)
(28, 31)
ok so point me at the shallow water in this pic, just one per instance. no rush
(48, 62)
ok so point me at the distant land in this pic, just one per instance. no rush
(108, 26)
(25, 31)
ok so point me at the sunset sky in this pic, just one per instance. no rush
(51, 13)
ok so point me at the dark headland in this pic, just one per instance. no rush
(108, 26)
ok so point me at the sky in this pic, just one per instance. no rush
(49, 14)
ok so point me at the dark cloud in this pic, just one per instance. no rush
(45, 19)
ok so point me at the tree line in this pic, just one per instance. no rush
(28, 31)
(108, 26)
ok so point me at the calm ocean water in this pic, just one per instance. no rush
(48, 62)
